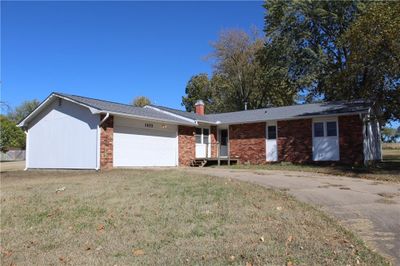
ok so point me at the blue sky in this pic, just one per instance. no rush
(112, 50)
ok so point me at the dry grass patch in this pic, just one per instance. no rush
(391, 146)
(387, 170)
(164, 217)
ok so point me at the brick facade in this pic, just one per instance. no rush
(247, 143)
(351, 139)
(187, 145)
(295, 141)
(106, 143)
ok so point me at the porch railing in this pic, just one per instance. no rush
(217, 145)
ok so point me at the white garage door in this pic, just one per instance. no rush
(140, 143)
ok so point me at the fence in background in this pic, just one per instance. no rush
(12, 155)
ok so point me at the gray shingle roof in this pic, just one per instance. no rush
(264, 114)
(277, 113)
(194, 116)
(291, 112)
(113, 107)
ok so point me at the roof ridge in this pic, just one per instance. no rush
(167, 107)
(298, 104)
(249, 110)
(97, 99)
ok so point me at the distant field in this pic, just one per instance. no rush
(395, 146)
(391, 154)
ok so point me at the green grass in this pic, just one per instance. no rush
(388, 170)
(167, 217)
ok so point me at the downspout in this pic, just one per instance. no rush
(26, 150)
(104, 119)
(99, 140)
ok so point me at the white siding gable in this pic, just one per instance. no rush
(64, 135)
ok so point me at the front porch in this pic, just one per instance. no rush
(212, 147)
(211, 142)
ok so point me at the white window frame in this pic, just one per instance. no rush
(276, 130)
(324, 120)
(202, 135)
(271, 144)
(325, 127)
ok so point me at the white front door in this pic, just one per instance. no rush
(272, 146)
(223, 140)
(325, 140)
(203, 149)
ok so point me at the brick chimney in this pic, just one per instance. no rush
(199, 107)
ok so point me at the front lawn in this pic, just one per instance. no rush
(387, 170)
(153, 217)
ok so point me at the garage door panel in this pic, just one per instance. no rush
(144, 147)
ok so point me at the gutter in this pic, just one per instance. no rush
(171, 114)
(290, 118)
(159, 120)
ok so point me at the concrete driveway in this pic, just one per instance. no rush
(369, 208)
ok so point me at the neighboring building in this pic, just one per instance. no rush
(74, 132)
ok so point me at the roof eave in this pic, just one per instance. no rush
(292, 118)
(147, 118)
(37, 110)
(171, 114)
(208, 122)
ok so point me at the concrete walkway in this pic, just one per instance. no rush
(369, 208)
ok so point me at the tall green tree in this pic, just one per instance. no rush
(373, 65)
(236, 67)
(23, 110)
(11, 136)
(141, 101)
(322, 48)
(238, 77)
(302, 44)
(198, 88)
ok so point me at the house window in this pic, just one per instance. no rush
(319, 129)
(271, 132)
(331, 130)
(198, 135)
(202, 135)
(224, 137)
(325, 129)
(206, 132)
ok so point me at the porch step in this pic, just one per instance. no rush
(198, 163)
